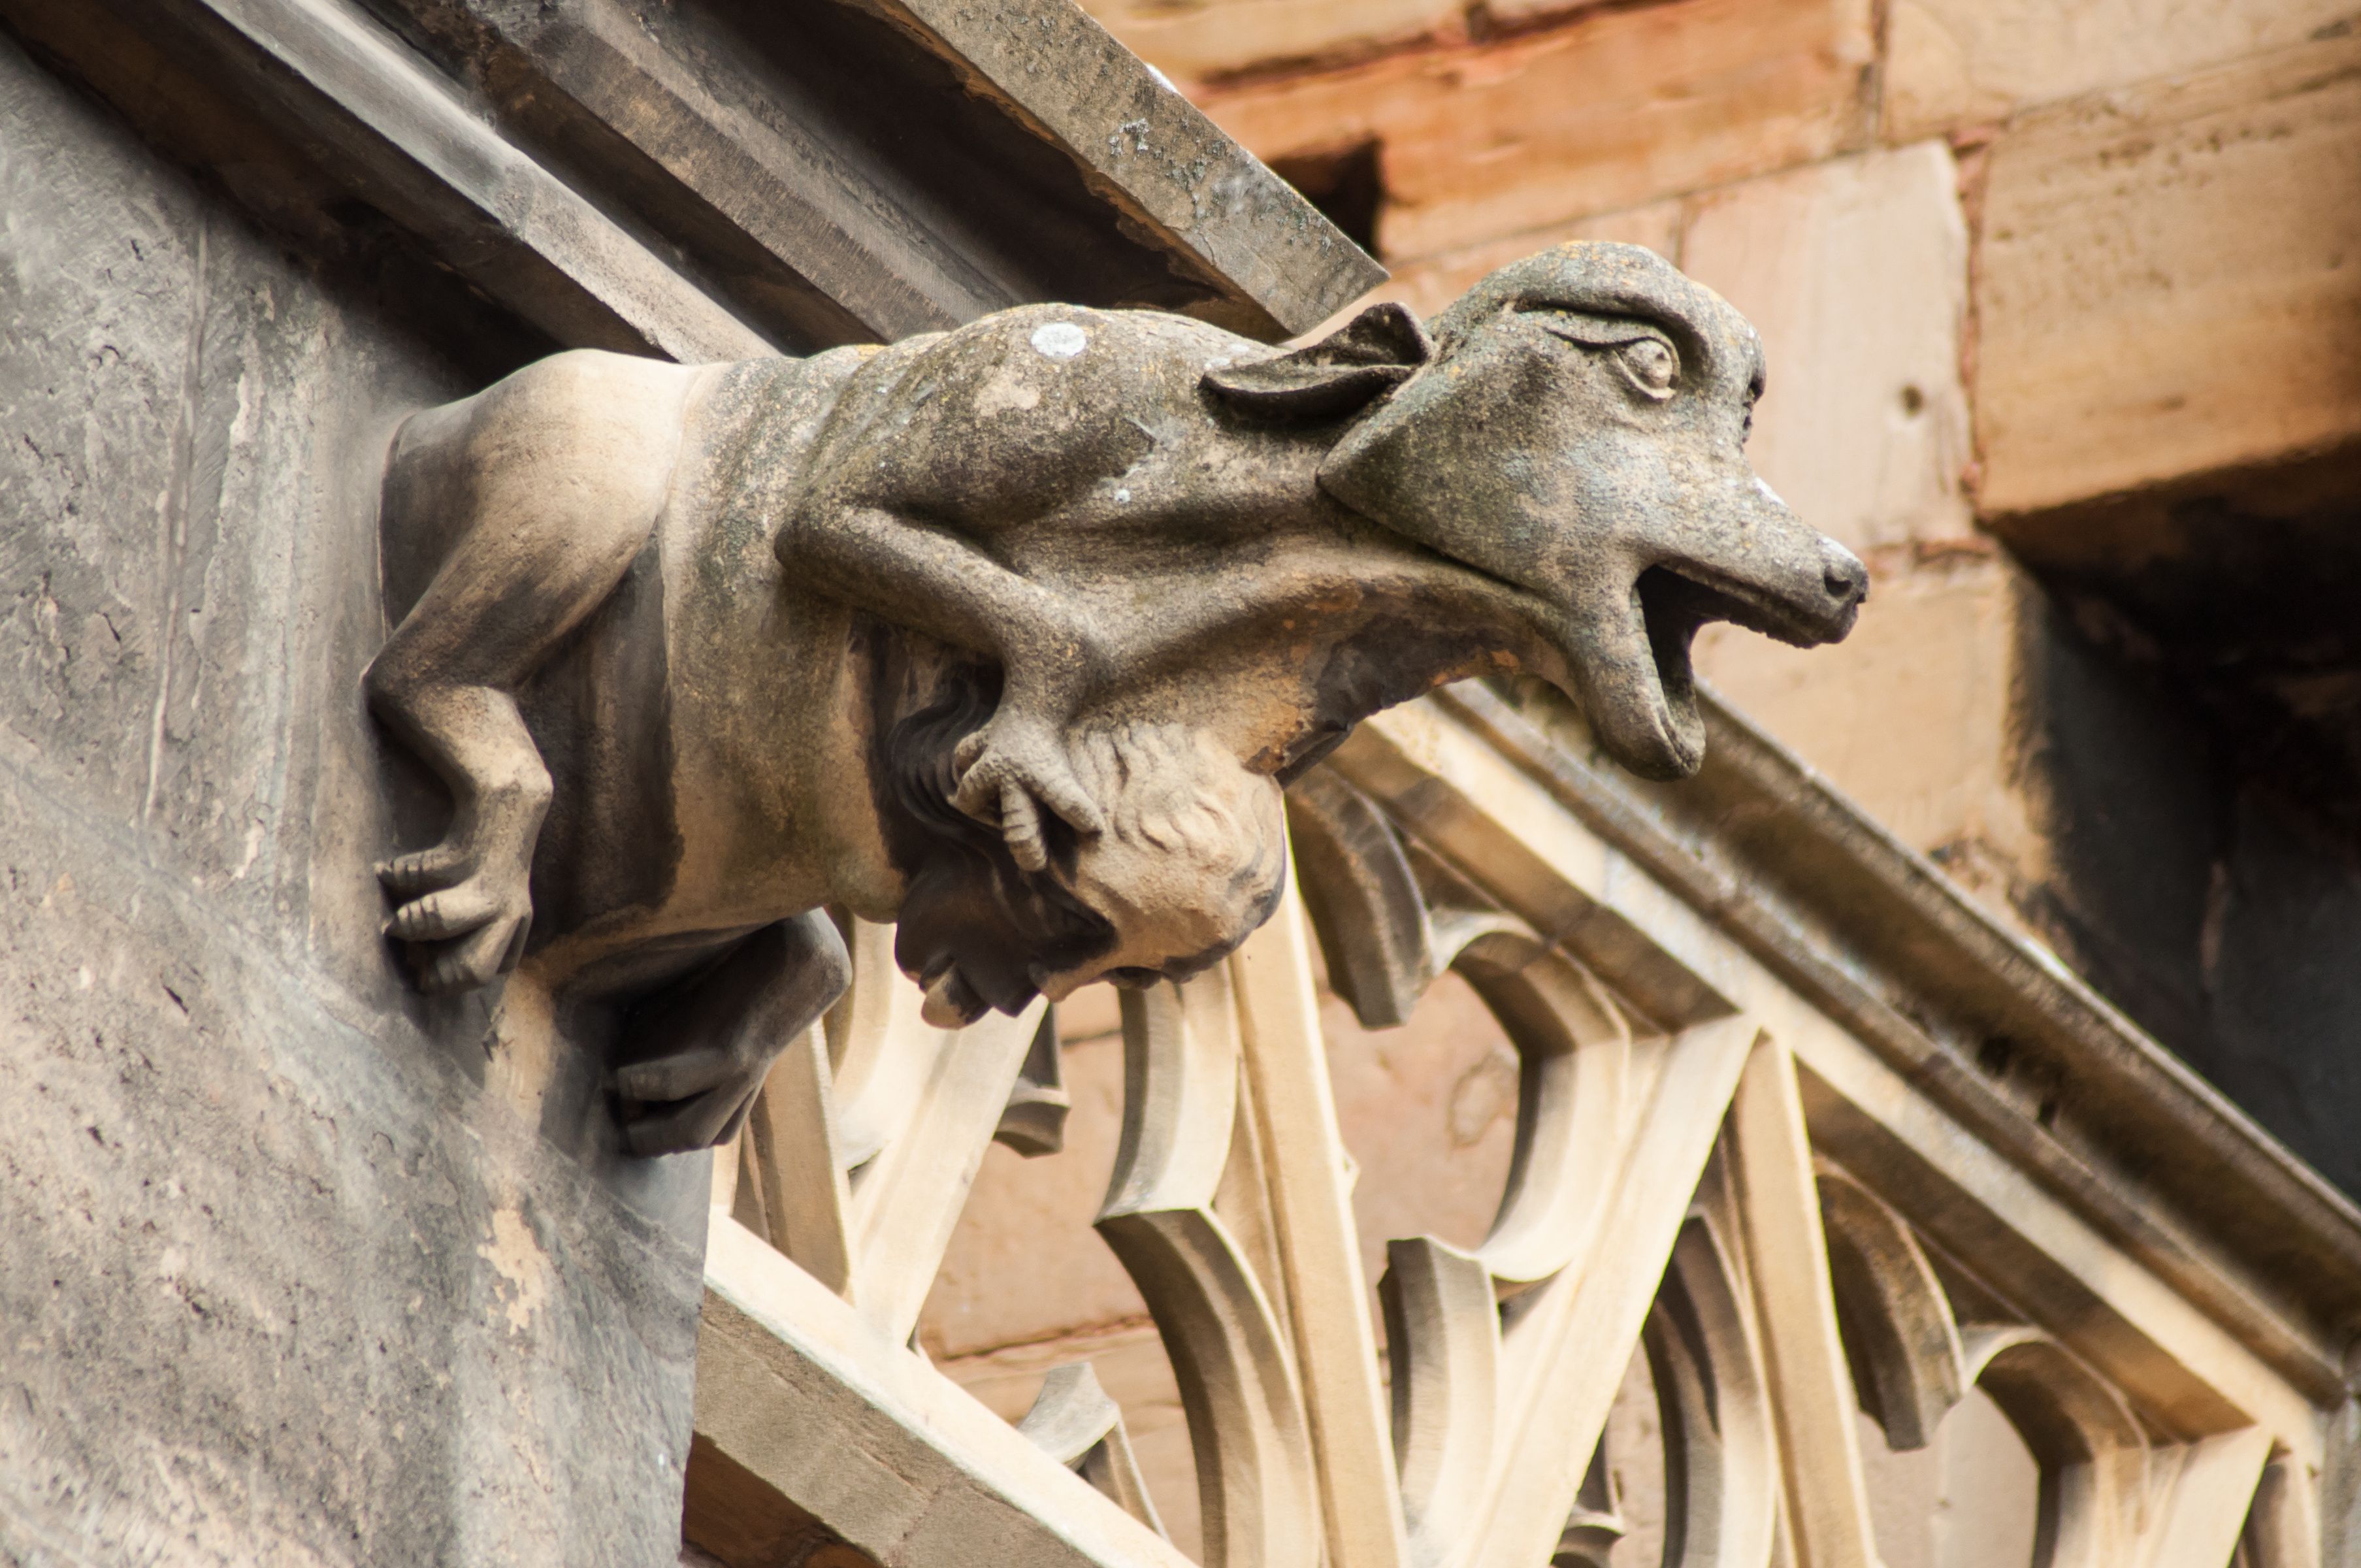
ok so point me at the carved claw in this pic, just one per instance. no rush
(691, 1101)
(1020, 826)
(451, 912)
(722, 1030)
(421, 873)
(1008, 772)
(951, 1002)
(704, 1121)
(462, 932)
(475, 960)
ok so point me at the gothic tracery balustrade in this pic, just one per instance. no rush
(1710, 1172)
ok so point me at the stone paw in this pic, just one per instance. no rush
(694, 1098)
(1008, 774)
(463, 935)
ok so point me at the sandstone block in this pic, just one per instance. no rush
(1198, 38)
(1614, 109)
(1953, 62)
(1855, 273)
(2168, 282)
(1909, 716)
(1429, 285)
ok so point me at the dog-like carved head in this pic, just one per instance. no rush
(1576, 427)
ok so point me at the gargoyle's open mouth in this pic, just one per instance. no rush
(1675, 603)
(1694, 596)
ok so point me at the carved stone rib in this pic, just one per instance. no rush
(2094, 1453)
(1229, 1357)
(1442, 1334)
(1365, 903)
(1074, 1422)
(1721, 1498)
(1897, 1324)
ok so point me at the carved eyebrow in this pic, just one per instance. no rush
(1596, 331)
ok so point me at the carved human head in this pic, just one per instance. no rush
(1576, 427)
(1194, 857)
(1191, 858)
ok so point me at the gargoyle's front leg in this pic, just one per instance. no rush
(1050, 658)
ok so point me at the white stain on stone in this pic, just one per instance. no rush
(1008, 392)
(1060, 340)
(1123, 498)
(514, 1253)
(1769, 494)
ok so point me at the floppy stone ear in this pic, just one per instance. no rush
(1366, 358)
(1384, 463)
(1426, 464)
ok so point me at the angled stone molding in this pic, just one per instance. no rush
(1175, 171)
(2201, 1353)
(311, 102)
(679, 181)
(2141, 1147)
(824, 1415)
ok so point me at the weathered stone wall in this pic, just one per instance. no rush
(292, 1273)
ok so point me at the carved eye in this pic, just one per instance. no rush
(1651, 365)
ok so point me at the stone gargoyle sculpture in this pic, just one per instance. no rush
(1016, 633)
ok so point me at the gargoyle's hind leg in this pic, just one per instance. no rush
(720, 1031)
(528, 501)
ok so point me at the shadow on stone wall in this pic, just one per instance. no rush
(2187, 729)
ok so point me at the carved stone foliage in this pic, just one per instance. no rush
(1014, 635)
(1665, 1199)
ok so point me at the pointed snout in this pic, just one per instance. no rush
(1846, 581)
(1784, 577)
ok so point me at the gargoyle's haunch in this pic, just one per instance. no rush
(1015, 633)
